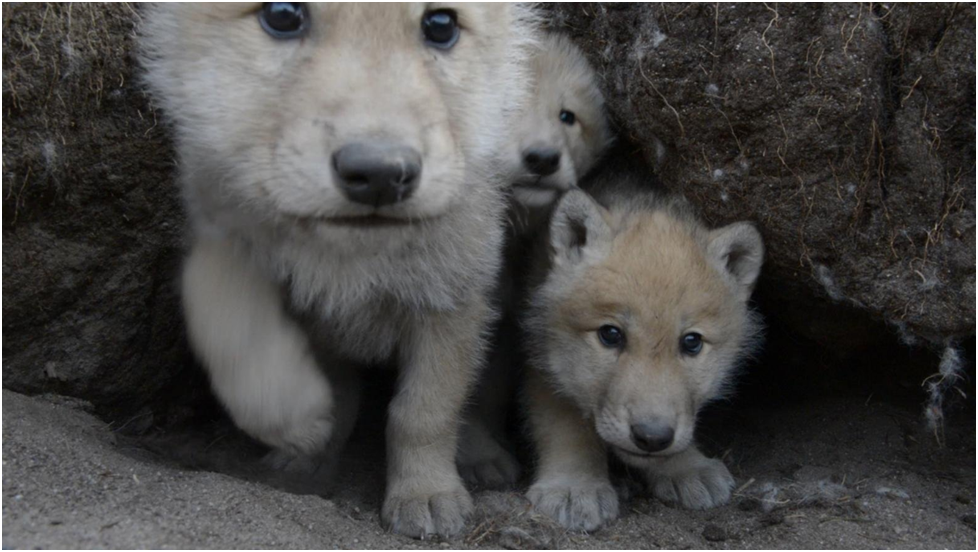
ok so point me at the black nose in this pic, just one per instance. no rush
(377, 174)
(541, 161)
(652, 437)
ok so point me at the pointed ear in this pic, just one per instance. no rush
(737, 251)
(578, 229)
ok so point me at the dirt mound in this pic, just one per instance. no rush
(92, 222)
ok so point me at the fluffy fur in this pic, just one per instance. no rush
(289, 286)
(647, 265)
(563, 80)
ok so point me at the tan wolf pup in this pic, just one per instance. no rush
(638, 317)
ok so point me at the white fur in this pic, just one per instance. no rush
(289, 406)
(562, 80)
(288, 280)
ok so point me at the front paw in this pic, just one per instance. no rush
(422, 514)
(485, 462)
(498, 471)
(694, 481)
(578, 506)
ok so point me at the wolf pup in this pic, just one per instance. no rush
(638, 317)
(561, 133)
(336, 162)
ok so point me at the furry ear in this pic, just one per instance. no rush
(578, 229)
(737, 251)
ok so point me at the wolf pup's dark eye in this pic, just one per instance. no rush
(692, 344)
(284, 19)
(440, 28)
(567, 117)
(611, 336)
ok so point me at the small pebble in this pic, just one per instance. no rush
(714, 533)
(969, 519)
(812, 474)
(893, 493)
(514, 538)
(772, 518)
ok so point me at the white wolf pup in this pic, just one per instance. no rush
(638, 318)
(336, 161)
(563, 131)
(560, 135)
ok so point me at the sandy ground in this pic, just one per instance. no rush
(832, 473)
